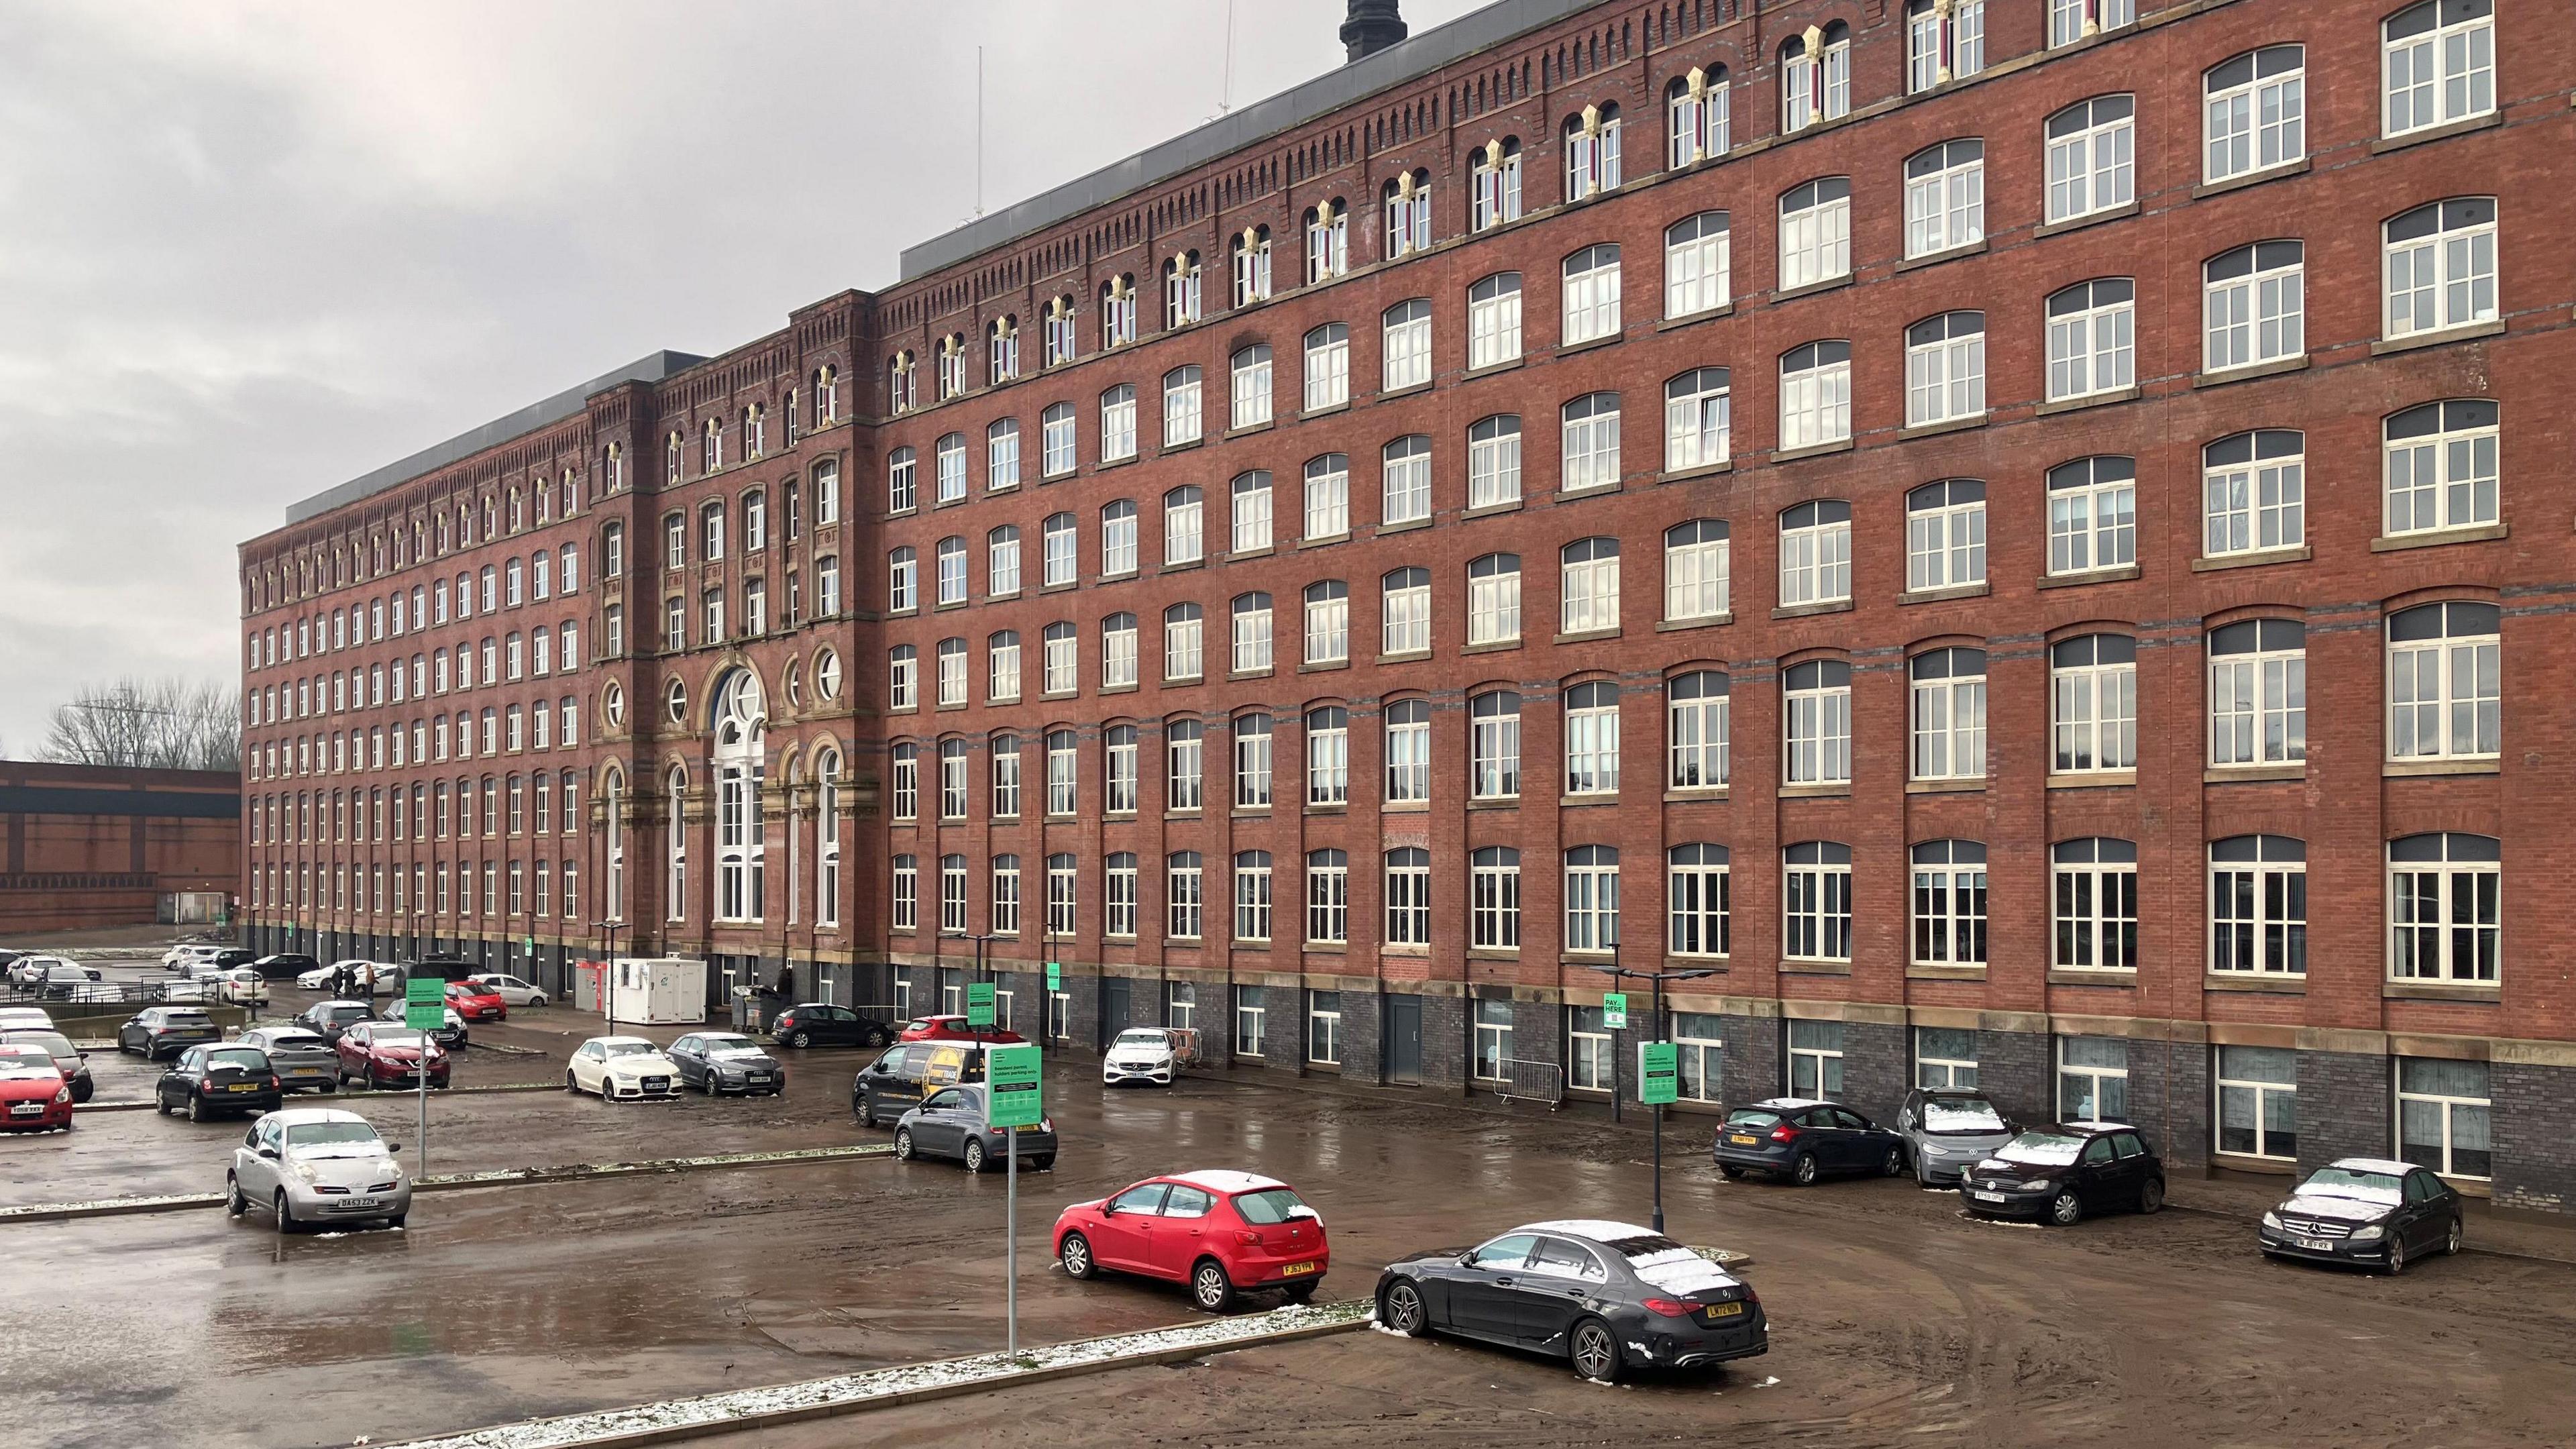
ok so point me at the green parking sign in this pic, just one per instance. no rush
(1614, 1010)
(1055, 976)
(1658, 1073)
(425, 1003)
(979, 1003)
(1012, 1096)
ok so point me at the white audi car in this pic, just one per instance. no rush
(622, 1068)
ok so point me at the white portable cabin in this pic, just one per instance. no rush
(657, 990)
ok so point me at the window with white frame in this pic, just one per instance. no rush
(1590, 1063)
(1949, 710)
(1494, 461)
(1591, 152)
(1695, 570)
(1250, 374)
(1945, 197)
(1002, 667)
(2440, 466)
(2092, 515)
(952, 779)
(1252, 733)
(1496, 177)
(1005, 887)
(903, 671)
(2441, 266)
(1494, 898)
(2092, 338)
(1494, 745)
(1001, 358)
(1592, 898)
(1248, 517)
(1815, 233)
(1118, 651)
(1494, 320)
(1118, 538)
(1408, 751)
(2444, 1115)
(2256, 304)
(2093, 704)
(1183, 647)
(2092, 157)
(1408, 896)
(1328, 755)
(952, 893)
(2072, 20)
(1945, 369)
(952, 673)
(1698, 116)
(1950, 906)
(1002, 562)
(1062, 561)
(1816, 721)
(1697, 424)
(1121, 770)
(1815, 77)
(1697, 892)
(2258, 693)
(2444, 908)
(1815, 396)
(1328, 622)
(951, 554)
(1404, 608)
(1592, 739)
(903, 893)
(1405, 345)
(1591, 294)
(1696, 264)
(1945, 1058)
(903, 580)
(1184, 765)
(1945, 535)
(1251, 895)
(1184, 890)
(1405, 473)
(2096, 913)
(1118, 896)
(2438, 61)
(1062, 887)
(906, 788)
(2255, 491)
(1328, 896)
(1697, 727)
(1117, 312)
(1328, 496)
(1252, 266)
(1328, 241)
(1060, 664)
(1943, 43)
(1061, 764)
(2258, 906)
(1408, 213)
(1328, 367)
(1062, 340)
(2445, 682)
(1181, 406)
(1184, 525)
(1816, 903)
(1118, 423)
(2258, 1102)
(1494, 599)
(1056, 440)
(1815, 553)
(951, 468)
(1251, 634)
(1589, 586)
(2255, 111)
(1590, 456)
(2092, 1079)
(902, 486)
(1181, 291)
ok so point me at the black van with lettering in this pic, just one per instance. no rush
(897, 1081)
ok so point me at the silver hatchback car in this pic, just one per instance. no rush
(312, 1165)
(1948, 1131)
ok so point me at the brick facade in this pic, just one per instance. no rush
(94, 845)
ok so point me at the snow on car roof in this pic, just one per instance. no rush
(626, 1040)
(307, 1116)
(2373, 1164)
(1794, 1104)
(1227, 1181)
(1599, 1229)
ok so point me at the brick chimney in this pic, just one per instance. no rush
(1373, 26)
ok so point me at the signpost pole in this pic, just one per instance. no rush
(1657, 1109)
(1013, 1099)
(1011, 1235)
(424, 1011)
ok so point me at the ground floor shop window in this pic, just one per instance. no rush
(2092, 1079)
(1059, 1014)
(2258, 1101)
(1493, 1040)
(1324, 1027)
(1697, 1045)
(1945, 1058)
(1816, 1059)
(1587, 1053)
(2442, 1112)
(1180, 1005)
(903, 998)
(1001, 1008)
(1250, 1019)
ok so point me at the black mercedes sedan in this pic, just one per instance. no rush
(1802, 1140)
(2365, 1212)
(1610, 1297)
(208, 1081)
(726, 1061)
(2058, 1174)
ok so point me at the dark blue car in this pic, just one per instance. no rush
(1802, 1140)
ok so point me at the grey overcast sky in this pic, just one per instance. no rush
(249, 251)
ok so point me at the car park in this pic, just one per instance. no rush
(1608, 1296)
(472, 1002)
(327, 1019)
(1149, 1054)
(242, 986)
(313, 1165)
(27, 972)
(1801, 1140)
(510, 989)
(1222, 1233)
(2059, 1173)
(953, 1028)
(1946, 1132)
(622, 1069)
(726, 1061)
(166, 1031)
(35, 1016)
(818, 1023)
(33, 1095)
(951, 1124)
(450, 1033)
(381, 1054)
(2364, 1212)
(286, 965)
(208, 1081)
(304, 1062)
(68, 1059)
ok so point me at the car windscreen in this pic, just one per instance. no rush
(2043, 1149)
(2376, 1187)
(397, 1038)
(246, 1058)
(1961, 1118)
(1752, 1117)
(1147, 1037)
(628, 1048)
(47, 1041)
(1268, 1206)
(318, 1134)
(186, 1018)
(348, 1013)
(293, 1041)
(26, 1056)
(728, 1045)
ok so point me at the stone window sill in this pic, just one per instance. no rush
(1792, 455)
(1934, 972)
(1955, 591)
(1583, 635)
(1183, 446)
(2093, 576)
(1499, 802)
(2252, 774)
(2250, 178)
(1496, 646)
(1835, 790)
(2061, 976)
(1233, 674)
(1318, 542)
(2090, 218)
(2271, 983)
(2421, 769)
(2414, 340)
(1950, 254)
(1944, 787)
(2435, 538)
(1815, 968)
(1325, 411)
(1408, 390)
(1711, 314)
(1801, 611)
(1570, 802)
(1247, 430)
(2089, 400)
(1406, 525)
(1118, 689)
(2252, 559)
(1704, 470)
(1487, 510)
(1241, 554)
(1404, 656)
(1676, 626)
(1490, 368)
(2472, 991)
(2446, 130)
(1323, 666)
(2093, 780)
(1707, 792)
(1812, 289)
(2252, 370)
(1934, 430)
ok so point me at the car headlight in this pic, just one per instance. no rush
(63, 1096)
(305, 1172)
(2272, 1221)
(2039, 1184)
(2369, 1234)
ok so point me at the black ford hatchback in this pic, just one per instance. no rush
(2058, 1174)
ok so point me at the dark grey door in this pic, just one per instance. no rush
(1113, 1007)
(1404, 1040)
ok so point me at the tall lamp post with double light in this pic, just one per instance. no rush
(1624, 974)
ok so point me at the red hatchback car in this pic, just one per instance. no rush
(385, 1054)
(953, 1028)
(475, 1001)
(1222, 1233)
(33, 1095)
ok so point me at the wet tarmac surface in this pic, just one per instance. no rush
(1893, 1319)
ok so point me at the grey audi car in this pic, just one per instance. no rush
(303, 1060)
(726, 1061)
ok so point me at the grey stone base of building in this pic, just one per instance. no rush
(2535, 1133)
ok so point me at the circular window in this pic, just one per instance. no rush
(827, 675)
(675, 701)
(612, 705)
(795, 684)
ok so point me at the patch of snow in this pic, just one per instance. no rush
(1766, 1383)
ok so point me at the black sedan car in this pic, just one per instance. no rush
(2364, 1211)
(816, 1023)
(951, 1124)
(2058, 1174)
(285, 966)
(1609, 1296)
(726, 1061)
(211, 1081)
(166, 1031)
(1803, 1140)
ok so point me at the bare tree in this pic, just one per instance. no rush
(162, 724)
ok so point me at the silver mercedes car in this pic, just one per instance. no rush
(311, 1165)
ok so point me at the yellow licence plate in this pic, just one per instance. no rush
(1740, 1140)
(243, 1087)
(1293, 1269)
(1723, 1310)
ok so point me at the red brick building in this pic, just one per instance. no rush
(90, 845)
(2017, 539)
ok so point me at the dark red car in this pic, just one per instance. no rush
(953, 1028)
(475, 1001)
(383, 1054)
(1222, 1233)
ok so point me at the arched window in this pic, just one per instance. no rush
(1697, 116)
(675, 890)
(1943, 43)
(1815, 77)
(1408, 213)
(827, 838)
(1591, 152)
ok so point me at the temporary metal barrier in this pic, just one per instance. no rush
(1532, 1082)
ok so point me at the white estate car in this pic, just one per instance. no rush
(309, 1165)
(179, 958)
(622, 1067)
(511, 990)
(1142, 1054)
(326, 978)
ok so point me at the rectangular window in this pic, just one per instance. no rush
(2445, 682)
(1494, 320)
(1492, 1048)
(1697, 891)
(2441, 267)
(2094, 704)
(2444, 908)
(1328, 497)
(2092, 1079)
(1587, 1050)
(1324, 1027)
(1816, 902)
(1815, 554)
(1408, 897)
(1493, 599)
(1949, 711)
(2443, 1110)
(2092, 515)
(1328, 757)
(2097, 905)
(1696, 265)
(2256, 303)
(1945, 369)
(1945, 1059)
(1328, 897)
(1945, 535)
(1405, 351)
(2258, 693)
(2255, 112)
(2258, 906)
(1591, 295)
(2092, 151)
(1328, 367)
(2255, 491)
(1699, 1055)
(1816, 1060)
(1251, 1020)
(1815, 233)
(2439, 61)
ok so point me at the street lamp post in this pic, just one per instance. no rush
(608, 976)
(1622, 973)
(980, 942)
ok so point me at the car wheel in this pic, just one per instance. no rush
(396, 1220)
(196, 1108)
(570, 1085)
(536, 1001)
(1076, 1257)
(328, 1088)
(234, 1202)
(1894, 1166)
(1043, 1162)
(2396, 1256)
(285, 1214)
(2456, 1240)
(1803, 1171)
(974, 1155)
(1210, 1289)
(1400, 1308)
(2151, 1198)
(876, 1036)
(867, 1111)
(1729, 1172)
(1596, 1351)
(903, 1144)
(2065, 1208)
(801, 1039)
(160, 1105)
